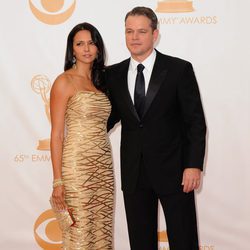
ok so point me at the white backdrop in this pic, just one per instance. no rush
(214, 37)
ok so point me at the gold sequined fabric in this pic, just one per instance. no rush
(87, 172)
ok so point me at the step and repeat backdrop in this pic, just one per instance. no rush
(213, 35)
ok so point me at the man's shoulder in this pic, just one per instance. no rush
(118, 66)
(169, 59)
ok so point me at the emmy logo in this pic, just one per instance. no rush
(41, 85)
(174, 6)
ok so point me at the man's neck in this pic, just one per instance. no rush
(141, 58)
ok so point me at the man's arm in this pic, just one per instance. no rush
(194, 129)
(114, 115)
(113, 118)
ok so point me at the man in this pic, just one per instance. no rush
(162, 138)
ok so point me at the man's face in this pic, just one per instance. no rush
(140, 36)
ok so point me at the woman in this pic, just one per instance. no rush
(81, 156)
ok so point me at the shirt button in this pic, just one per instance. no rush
(141, 125)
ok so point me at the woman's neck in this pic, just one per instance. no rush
(83, 70)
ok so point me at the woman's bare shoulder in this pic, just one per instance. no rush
(63, 83)
(64, 78)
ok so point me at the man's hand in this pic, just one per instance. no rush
(191, 179)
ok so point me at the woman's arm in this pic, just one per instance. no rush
(59, 96)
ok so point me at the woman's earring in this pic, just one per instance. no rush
(74, 62)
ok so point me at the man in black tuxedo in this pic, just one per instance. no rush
(157, 100)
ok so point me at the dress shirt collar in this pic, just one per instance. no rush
(147, 63)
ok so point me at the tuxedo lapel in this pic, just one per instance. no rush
(157, 78)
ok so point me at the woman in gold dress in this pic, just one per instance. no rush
(80, 148)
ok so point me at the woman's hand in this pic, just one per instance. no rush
(58, 198)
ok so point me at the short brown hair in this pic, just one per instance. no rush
(144, 11)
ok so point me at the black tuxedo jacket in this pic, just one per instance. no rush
(171, 134)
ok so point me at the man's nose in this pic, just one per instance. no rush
(135, 35)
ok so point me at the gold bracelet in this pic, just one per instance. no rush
(57, 182)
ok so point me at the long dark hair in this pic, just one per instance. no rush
(97, 73)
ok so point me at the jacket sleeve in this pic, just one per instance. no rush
(194, 126)
(114, 115)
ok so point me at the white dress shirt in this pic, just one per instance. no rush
(148, 63)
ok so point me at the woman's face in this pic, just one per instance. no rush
(84, 49)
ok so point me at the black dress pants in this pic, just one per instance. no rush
(142, 216)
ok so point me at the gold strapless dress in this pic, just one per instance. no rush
(87, 172)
